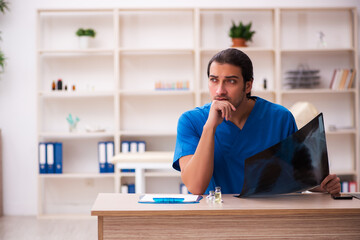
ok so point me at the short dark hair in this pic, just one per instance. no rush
(237, 58)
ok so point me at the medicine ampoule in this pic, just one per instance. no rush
(211, 197)
(218, 198)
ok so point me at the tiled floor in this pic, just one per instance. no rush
(19, 228)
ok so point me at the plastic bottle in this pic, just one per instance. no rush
(59, 84)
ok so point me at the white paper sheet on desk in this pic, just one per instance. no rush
(169, 198)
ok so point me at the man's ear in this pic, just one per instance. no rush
(248, 85)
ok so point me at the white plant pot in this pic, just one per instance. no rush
(84, 42)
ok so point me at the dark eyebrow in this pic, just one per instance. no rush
(234, 76)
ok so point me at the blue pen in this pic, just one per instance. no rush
(168, 200)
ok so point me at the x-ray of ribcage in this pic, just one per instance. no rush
(298, 163)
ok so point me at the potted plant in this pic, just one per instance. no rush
(240, 34)
(84, 36)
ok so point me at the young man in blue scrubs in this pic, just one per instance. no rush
(214, 140)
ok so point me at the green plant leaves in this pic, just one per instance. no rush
(2, 61)
(4, 6)
(241, 31)
(85, 32)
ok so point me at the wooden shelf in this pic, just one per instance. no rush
(317, 91)
(171, 92)
(77, 175)
(76, 94)
(147, 133)
(61, 52)
(245, 49)
(146, 51)
(317, 50)
(76, 134)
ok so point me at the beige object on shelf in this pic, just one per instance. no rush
(303, 113)
(145, 157)
(141, 162)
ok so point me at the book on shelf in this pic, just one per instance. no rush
(342, 79)
(344, 76)
(352, 77)
(50, 157)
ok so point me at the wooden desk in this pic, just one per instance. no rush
(305, 216)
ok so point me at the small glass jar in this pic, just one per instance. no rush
(211, 197)
(218, 198)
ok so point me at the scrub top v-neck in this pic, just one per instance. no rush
(267, 124)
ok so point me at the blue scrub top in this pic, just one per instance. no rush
(267, 124)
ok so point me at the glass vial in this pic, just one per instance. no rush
(218, 195)
(211, 197)
(53, 86)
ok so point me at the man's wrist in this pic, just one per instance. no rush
(209, 127)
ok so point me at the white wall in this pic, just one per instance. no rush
(18, 84)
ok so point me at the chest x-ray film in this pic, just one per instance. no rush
(298, 163)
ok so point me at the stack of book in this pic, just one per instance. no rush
(342, 79)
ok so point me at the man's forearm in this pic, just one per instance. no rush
(198, 171)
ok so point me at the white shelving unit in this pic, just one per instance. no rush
(135, 48)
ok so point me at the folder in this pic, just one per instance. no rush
(125, 147)
(345, 187)
(42, 158)
(131, 188)
(50, 158)
(102, 156)
(109, 155)
(124, 188)
(141, 146)
(352, 186)
(58, 157)
(183, 189)
(133, 147)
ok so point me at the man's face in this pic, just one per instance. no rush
(226, 83)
